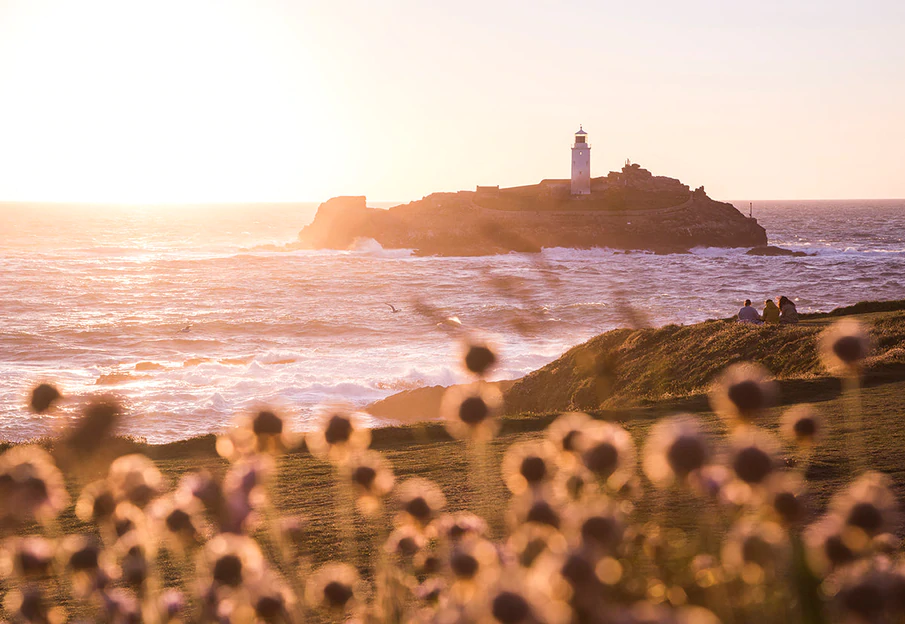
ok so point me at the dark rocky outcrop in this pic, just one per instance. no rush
(770, 250)
(631, 209)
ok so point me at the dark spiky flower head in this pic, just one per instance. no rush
(31, 486)
(232, 560)
(470, 411)
(262, 431)
(529, 465)
(755, 551)
(607, 450)
(136, 479)
(742, 393)
(867, 507)
(333, 588)
(419, 502)
(479, 358)
(802, 425)
(844, 347)
(371, 477)
(566, 432)
(338, 434)
(675, 449)
(24, 558)
(43, 397)
(752, 455)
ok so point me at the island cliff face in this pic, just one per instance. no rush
(631, 209)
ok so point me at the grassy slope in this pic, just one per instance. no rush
(305, 484)
(632, 367)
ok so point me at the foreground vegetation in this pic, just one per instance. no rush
(758, 509)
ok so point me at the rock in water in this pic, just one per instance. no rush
(631, 209)
(770, 250)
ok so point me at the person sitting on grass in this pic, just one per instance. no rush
(771, 312)
(788, 312)
(748, 314)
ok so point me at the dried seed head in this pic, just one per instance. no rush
(470, 412)
(509, 607)
(844, 346)
(43, 398)
(742, 392)
(479, 359)
(267, 423)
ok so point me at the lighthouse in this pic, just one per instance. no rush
(581, 164)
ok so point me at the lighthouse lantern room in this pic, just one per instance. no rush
(581, 164)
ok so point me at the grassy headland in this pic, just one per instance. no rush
(632, 377)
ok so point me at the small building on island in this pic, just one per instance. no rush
(581, 164)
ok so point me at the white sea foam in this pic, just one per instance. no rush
(297, 328)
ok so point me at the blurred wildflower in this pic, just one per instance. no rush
(203, 487)
(338, 434)
(844, 346)
(473, 565)
(31, 486)
(801, 425)
(245, 492)
(607, 451)
(528, 465)
(93, 429)
(786, 498)
(755, 551)
(261, 432)
(419, 501)
(371, 477)
(565, 433)
(534, 507)
(752, 455)
(179, 522)
(867, 506)
(597, 526)
(135, 478)
(518, 599)
(479, 358)
(26, 557)
(272, 599)
(711, 481)
(232, 560)
(43, 397)
(134, 559)
(171, 605)
(830, 546)
(27, 604)
(462, 525)
(574, 483)
(675, 448)
(404, 543)
(866, 593)
(96, 503)
(529, 541)
(470, 411)
(742, 393)
(333, 588)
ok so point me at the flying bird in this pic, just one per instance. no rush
(393, 308)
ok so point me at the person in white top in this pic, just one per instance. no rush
(748, 314)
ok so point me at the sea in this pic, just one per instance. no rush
(185, 315)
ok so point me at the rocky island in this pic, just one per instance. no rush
(629, 209)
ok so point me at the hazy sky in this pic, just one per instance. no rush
(212, 100)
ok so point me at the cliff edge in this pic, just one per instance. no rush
(631, 209)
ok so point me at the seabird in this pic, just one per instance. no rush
(393, 308)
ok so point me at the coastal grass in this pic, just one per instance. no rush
(632, 367)
(304, 484)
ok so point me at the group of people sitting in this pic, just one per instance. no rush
(774, 313)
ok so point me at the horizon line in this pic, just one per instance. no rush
(143, 204)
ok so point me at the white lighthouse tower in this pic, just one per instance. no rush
(581, 164)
